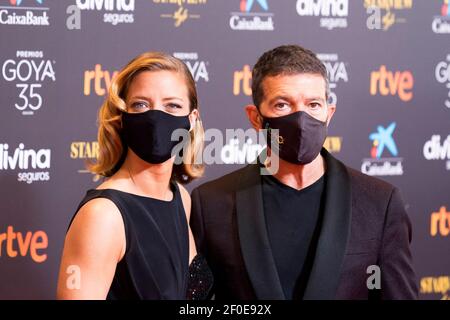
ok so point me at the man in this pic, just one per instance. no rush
(315, 229)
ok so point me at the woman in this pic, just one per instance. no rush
(130, 237)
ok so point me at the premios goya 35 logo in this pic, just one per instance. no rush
(337, 73)
(383, 142)
(442, 73)
(24, 13)
(33, 165)
(196, 66)
(29, 71)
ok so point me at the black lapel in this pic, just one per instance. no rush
(325, 273)
(255, 246)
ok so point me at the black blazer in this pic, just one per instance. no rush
(364, 223)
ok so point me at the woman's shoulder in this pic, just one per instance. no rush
(186, 198)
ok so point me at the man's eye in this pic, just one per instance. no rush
(281, 105)
(315, 105)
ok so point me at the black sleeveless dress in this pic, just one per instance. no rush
(156, 261)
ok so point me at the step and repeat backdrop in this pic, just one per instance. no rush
(389, 70)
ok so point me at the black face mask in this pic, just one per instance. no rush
(301, 136)
(149, 133)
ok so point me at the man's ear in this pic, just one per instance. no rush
(253, 116)
(331, 109)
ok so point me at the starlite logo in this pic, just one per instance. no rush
(382, 140)
(254, 15)
(182, 13)
(386, 12)
(25, 16)
(441, 24)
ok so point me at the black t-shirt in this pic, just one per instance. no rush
(292, 219)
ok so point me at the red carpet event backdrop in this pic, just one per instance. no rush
(389, 69)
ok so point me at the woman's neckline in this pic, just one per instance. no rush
(172, 185)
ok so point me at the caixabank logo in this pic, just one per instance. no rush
(437, 148)
(253, 15)
(337, 73)
(442, 73)
(27, 73)
(333, 13)
(383, 142)
(180, 10)
(196, 65)
(32, 165)
(24, 13)
(385, 14)
(441, 22)
(114, 11)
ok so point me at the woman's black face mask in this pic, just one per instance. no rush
(149, 134)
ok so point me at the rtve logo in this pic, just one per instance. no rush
(14, 243)
(97, 80)
(242, 81)
(440, 222)
(398, 83)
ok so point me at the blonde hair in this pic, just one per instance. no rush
(112, 153)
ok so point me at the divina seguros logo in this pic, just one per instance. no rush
(434, 149)
(32, 164)
(117, 11)
(333, 13)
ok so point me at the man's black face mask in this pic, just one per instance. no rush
(300, 136)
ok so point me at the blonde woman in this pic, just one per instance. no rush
(130, 237)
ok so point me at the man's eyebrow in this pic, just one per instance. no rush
(314, 98)
(280, 97)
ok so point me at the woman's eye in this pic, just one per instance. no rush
(174, 106)
(139, 105)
